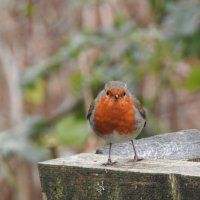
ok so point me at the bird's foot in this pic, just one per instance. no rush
(109, 162)
(136, 159)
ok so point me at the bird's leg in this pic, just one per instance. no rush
(136, 158)
(109, 162)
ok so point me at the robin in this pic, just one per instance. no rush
(116, 116)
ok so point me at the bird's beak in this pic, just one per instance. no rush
(116, 96)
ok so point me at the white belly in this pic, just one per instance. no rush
(117, 138)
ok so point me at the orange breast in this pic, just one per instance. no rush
(114, 115)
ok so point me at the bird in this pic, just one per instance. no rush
(116, 116)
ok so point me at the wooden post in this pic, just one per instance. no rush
(84, 177)
(182, 145)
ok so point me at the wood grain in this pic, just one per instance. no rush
(181, 145)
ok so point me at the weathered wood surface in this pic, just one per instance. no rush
(182, 145)
(83, 177)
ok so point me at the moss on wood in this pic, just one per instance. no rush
(83, 177)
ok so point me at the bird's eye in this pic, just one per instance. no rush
(107, 93)
(124, 93)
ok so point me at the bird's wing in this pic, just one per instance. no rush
(138, 105)
(90, 110)
(92, 105)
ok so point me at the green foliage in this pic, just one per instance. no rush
(76, 82)
(159, 8)
(71, 131)
(183, 19)
(43, 69)
(182, 26)
(192, 82)
(191, 45)
(29, 9)
(36, 93)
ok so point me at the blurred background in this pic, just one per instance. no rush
(55, 56)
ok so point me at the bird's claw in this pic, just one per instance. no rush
(109, 162)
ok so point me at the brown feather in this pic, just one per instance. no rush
(90, 110)
(138, 105)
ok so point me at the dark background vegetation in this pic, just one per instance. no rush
(55, 56)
